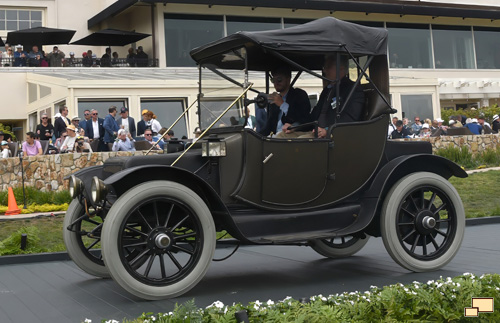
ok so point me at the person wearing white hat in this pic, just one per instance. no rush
(425, 131)
(495, 124)
(4, 145)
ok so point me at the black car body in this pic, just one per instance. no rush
(155, 217)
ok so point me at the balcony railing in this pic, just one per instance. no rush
(81, 62)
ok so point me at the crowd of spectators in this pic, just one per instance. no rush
(92, 133)
(19, 56)
(477, 126)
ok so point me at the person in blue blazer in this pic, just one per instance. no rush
(110, 126)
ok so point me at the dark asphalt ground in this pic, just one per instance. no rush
(58, 291)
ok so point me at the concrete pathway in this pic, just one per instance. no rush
(58, 291)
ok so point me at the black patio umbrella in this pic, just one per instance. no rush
(111, 37)
(40, 36)
(1, 42)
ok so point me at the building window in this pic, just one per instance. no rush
(167, 111)
(20, 19)
(102, 106)
(290, 22)
(453, 47)
(211, 109)
(185, 32)
(235, 24)
(417, 106)
(409, 46)
(487, 41)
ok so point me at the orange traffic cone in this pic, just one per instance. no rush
(13, 209)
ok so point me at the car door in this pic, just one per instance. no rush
(294, 172)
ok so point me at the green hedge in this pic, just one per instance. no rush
(464, 157)
(443, 300)
(487, 112)
(34, 196)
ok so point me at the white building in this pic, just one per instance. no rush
(442, 53)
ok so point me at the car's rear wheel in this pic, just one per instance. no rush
(339, 247)
(174, 227)
(82, 240)
(422, 222)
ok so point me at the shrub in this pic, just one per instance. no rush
(6, 129)
(443, 300)
(35, 208)
(34, 196)
(461, 156)
(488, 113)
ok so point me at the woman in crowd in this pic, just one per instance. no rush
(152, 123)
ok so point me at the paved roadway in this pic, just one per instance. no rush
(57, 291)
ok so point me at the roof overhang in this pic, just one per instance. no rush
(388, 7)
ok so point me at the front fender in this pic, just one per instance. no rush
(130, 177)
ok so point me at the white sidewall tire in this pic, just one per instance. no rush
(117, 215)
(72, 240)
(324, 249)
(389, 215)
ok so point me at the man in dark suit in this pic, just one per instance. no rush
(110, 126)
(126, 122)
(325, 112)
(288, 106)
(141, 125)
(62, 122)
(94, 129)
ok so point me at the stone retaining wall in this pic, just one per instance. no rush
(475, 144)
(46, 172)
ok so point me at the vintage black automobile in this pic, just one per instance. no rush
(150, 222)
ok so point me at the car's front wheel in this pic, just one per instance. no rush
(422, 222)
(175, 231)
(82, 236)
(339, 247)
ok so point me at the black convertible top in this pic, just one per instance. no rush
(302, 43)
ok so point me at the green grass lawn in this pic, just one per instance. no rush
(480, 194)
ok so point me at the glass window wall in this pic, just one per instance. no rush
(102, 107)
(417, 106)
(235, 24)
(167, 111)
(20, 19)
(409, 46)
(185, 32)
(453, 47)
(487, 42)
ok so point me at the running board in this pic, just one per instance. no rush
(264, 227)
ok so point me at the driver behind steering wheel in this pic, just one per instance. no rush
(288, 106)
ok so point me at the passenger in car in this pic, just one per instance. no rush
(288, 105)
(325, 112)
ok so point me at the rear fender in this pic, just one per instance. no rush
(130, 177)
(397, 169)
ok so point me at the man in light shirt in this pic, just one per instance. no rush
(95, 131)
(124, 142)
(126, 122)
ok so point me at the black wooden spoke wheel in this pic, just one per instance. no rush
(175, 232)
(422, 222)
(82, 240)
(339, 247)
